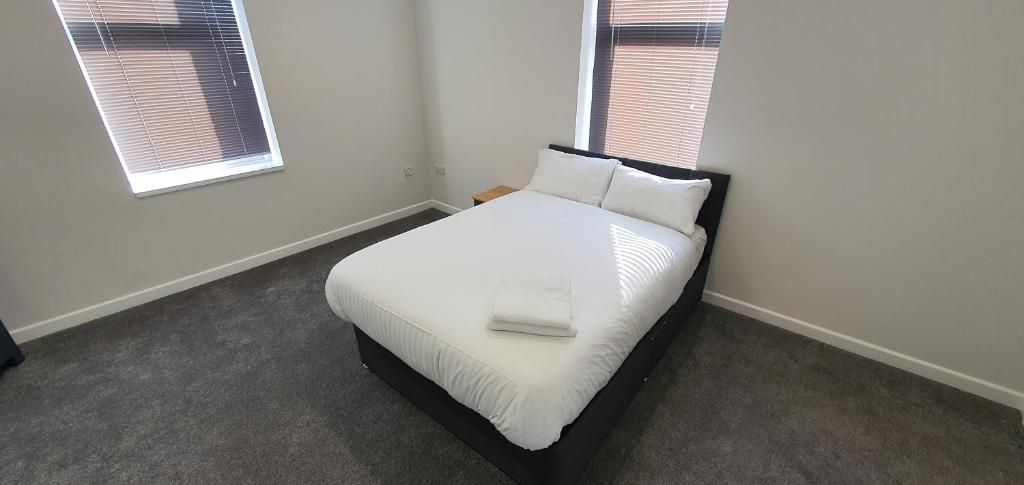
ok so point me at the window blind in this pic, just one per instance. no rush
(171, 79)
(654, 62)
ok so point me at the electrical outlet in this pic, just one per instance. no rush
(409, 171)
(439, 169)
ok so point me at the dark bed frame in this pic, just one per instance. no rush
(564, 461)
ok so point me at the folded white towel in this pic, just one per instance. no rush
(541, 306)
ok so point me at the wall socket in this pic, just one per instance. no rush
(408, 170)
(439, 169)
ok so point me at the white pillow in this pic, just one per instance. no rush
(669, 202)
(572, 177)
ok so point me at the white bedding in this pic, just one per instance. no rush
(426, 296)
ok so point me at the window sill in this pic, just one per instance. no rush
(148, 185)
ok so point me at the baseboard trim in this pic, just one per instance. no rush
(441, 206)
(914, 365)
(78, 317)
(973, 385)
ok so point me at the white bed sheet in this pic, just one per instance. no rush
(425, 295)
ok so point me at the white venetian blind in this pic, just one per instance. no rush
(172, 80)
(654, 62)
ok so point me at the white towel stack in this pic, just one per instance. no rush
(540, 306)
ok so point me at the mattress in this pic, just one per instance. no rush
(425, 295)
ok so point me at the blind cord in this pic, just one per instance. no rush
(177, 78)
(220, 64)
(128, 81)
(689, 80)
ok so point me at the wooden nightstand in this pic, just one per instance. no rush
(492, 194)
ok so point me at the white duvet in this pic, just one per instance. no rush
(426, 296)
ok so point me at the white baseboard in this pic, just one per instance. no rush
(78, 317)
(917, 366)
(441, 206)
(973, 385)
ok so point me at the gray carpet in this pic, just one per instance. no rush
(252, 379)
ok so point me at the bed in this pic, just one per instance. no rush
(536, 407)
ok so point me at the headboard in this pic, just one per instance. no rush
(710, 213)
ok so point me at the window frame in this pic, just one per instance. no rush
(150, 184)
(588, 46)
(584, 135)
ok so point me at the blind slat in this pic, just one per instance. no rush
(171, 78)
(654, 64)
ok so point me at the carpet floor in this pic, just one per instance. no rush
(252, 379)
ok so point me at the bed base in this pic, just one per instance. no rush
(564, 461)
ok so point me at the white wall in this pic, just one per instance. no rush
(876, 150)
(875, 146)
(500, 81)
(73, 235)
(878, 163)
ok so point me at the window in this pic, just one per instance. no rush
(177, 87)
(646, 74)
